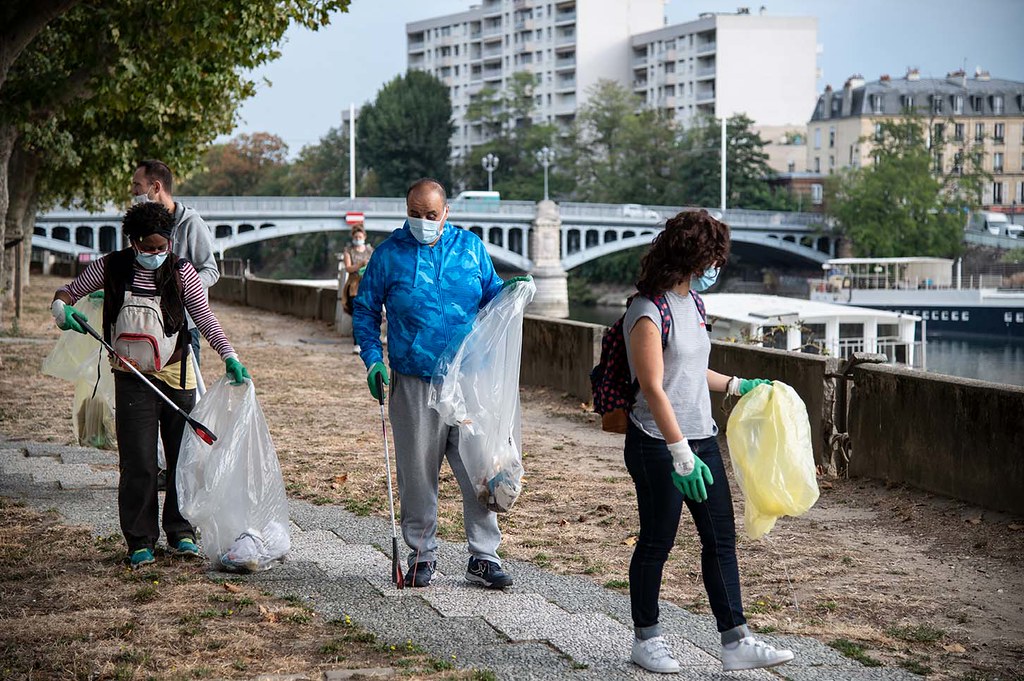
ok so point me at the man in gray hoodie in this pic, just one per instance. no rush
(191, 239)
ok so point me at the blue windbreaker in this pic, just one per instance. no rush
(432, 296)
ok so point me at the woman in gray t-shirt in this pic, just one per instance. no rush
(671, 451)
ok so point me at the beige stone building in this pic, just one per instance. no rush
(962, 112)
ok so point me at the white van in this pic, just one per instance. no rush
(994, 223)
(478, 196)
(638, 212)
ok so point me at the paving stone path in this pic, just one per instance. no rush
(546, 626)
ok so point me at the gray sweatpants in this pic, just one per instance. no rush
(422, 442)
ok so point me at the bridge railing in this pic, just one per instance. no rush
(738, 215)
(340, 205)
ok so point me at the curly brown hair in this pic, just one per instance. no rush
(691, 242)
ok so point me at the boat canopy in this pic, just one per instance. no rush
(898, 273)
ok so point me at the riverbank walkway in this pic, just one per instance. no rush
(546, 626)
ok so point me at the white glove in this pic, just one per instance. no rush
(734, 386)
(682, 457)
(57, 310)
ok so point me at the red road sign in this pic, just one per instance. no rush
(354, 218)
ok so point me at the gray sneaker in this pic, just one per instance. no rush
(654, 655)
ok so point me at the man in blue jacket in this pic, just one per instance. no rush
(433, 278)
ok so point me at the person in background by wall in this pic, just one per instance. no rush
(356, 255)
(191, 238)
(671, 450)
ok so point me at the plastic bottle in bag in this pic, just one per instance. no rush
(769, 438)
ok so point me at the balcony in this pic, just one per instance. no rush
(526, 47)
(491, 30)
(568, 38)
(705, 97)
(706, 48)
(416, 46)
(563, 63)
(524, 25)
(705, 72)
(639, 61)
(565, 17)
(565, 84)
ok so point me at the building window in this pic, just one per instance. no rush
(817, 138)
(817, 164)
(958, 132)
(997, 193)
(832, 137)
(908, 102)
(997, 162)
(851, 154)
(876, 104)
(979, 132)
(998, 132)
(939, 163)
(939, 133)
(791, 167)
(1020, 192)
(958, 164)
(817, 194)
(958, 104)
(997, 105)
(878, 132)
(936, 104)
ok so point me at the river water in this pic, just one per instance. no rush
(996, 361)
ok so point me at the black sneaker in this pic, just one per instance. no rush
(420, 574)
(487, 573)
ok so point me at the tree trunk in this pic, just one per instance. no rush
(22, 171)
(8, 135)
(22, 21)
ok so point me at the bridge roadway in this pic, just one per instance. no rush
(588, 230)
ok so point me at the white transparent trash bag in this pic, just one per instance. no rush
(476, 387)
(93, 405)
(232, 490)
(73, 348)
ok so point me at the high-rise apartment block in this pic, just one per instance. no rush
(720, 64)
(962, 113)
(569, 45)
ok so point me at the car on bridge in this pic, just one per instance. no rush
(638, 212)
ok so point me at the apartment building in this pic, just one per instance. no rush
(962, 112)
(726, 64)
(568, 44)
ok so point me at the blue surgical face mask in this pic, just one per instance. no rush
(426, 231)
(706, 280)
(150, 261)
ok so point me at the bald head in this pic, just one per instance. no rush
(427, 185)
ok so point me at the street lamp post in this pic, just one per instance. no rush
(490, 163)
(545, 156)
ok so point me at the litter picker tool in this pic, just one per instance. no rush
(204, 433)
(396, 567)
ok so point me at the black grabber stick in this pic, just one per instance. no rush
(396, 566)
(204, 433)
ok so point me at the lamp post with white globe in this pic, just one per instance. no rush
(490, 163)
(545, 156)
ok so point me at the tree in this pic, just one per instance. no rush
(405, 134)
(897, 206)
(112, 81)
(322, 169)
(248, 165)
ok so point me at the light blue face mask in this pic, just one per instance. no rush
(706, 280)
(150, 261)
(426, 231)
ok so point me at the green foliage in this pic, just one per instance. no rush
(405, 134)
(322, 169)
(248, 165)
(854, 651)
(898, 206)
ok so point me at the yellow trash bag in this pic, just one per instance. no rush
(769, 439)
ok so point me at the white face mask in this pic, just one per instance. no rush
(141, 198)
(358, 242)
(426, 231)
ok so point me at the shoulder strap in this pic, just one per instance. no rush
(699, 302)
(661, 301)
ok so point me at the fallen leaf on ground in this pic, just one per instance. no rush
(955, 648)
(233, 588)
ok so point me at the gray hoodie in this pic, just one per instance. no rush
(193, 239)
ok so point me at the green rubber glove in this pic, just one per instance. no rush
(692, 486)
(67, 322)
(362, 270)
(748, 384)
(96, 295)
(515, 280)
(236, 372)
(377, 369)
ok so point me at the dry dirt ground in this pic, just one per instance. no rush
(884, 574)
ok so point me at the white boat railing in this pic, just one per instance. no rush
(893, 347)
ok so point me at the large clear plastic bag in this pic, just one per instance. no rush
(232, 490)
(476, 387)
(80, 359)
(769, 438)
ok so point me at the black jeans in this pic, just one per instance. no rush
(660, 504)
(141, 417)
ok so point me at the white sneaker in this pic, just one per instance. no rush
(654, 655)
(356, 350)
(749, 653)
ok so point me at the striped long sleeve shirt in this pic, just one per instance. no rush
(144, 285)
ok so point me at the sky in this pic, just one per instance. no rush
(320, 73)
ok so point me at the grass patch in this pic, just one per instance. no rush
(915, 667)
(617, 584)
(854, 651)
(921, 633)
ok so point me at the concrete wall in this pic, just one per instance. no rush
(957, 437)
(559, 354)
(805, 373)
(308, 302)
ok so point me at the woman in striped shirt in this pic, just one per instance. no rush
(151, 276)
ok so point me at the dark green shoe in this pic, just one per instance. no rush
(186, 548)
(141, 557)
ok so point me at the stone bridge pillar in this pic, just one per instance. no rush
(552, 299)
